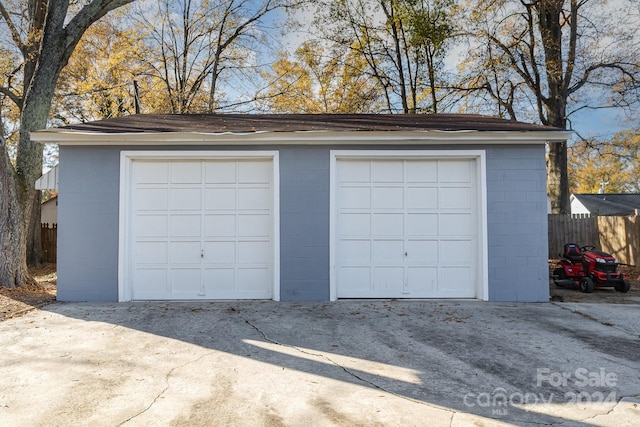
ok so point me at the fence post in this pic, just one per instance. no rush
(49, 235)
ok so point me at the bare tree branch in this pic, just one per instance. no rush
(15, 34)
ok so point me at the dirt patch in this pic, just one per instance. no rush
(602, 295)
(16, 302)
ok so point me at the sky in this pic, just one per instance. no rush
(602, 124)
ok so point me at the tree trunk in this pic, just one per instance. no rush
(29, 164)
(13, 266)
(557, 179)
(550, 17)
(557, 175)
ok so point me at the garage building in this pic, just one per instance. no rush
(302, 207)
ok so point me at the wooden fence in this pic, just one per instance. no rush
(49, 235)
(617, 235)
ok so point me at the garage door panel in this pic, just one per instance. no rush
(219, 281)
(185, 172)
(221, 252)
(151, 173)
(254, 225)
(388, 197)
(152, 199)
(386, 251)
(220, 225)
(151, 226)
(184, 252)
(423, 224)
(354, 197)
(455, 278)
(422, 252)
(252, 280)
(455, 198)
(254, 252)
(456, 171)
(185, 226)
(355, 279)
(186, 282)
(220, 172)
(151, 252)
(422, 198)
(356, 251)
(388, 224)
(387, 171)
(254, 172)
(150, 282)
(388, 278)
(422, 280)
(220, 199)
(456, 252)
(422, 171)
(455, 224)
(254, 198)
(358, 171)
(185, 199)
(354, 224)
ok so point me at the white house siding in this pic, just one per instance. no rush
(49, 212)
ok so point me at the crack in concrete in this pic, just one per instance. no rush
(349, 372)
(155, 399)
(613, 408)
(164, 390)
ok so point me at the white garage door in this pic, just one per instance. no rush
(406, 228)
(201, 229)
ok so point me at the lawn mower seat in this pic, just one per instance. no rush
(572, 252)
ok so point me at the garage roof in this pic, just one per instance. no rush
(216, 123)
(161, 126)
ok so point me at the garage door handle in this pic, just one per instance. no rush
(405, 254)
(201, 253)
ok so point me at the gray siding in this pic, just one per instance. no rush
(88, 224)
(304, 224)
(516, 221)
(517, 224)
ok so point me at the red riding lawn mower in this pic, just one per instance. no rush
(587, 268)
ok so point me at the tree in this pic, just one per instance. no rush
(606, 166)
(554, 57)
(51, 35)
(403, 42)
(197, 42)
(317, 82)
(429, 30)
(98, 82)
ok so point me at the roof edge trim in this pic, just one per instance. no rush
(298, 138)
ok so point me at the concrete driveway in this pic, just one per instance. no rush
(320, 364)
